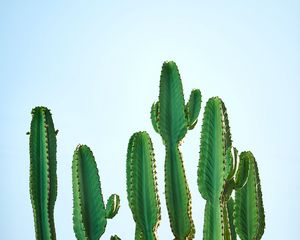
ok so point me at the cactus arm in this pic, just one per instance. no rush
(249, 217)
(155, 116)
(215, 139)
(142, 186)
(242, 173)
(192, 108)
(112, 206)
(89, 216)
(171, 105)
(231, 162)
(115, 237)
(43, 178)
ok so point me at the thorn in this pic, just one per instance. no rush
(56, 131)
(27, 133)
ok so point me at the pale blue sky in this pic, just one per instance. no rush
(97, 65)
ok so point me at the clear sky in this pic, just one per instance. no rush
(96, 65)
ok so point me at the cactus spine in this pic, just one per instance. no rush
(171, 118)
(89, 212)
(142, 190)
(43, 179)
(249, 217)
(218, 174)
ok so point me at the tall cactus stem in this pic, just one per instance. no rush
(43, 178)
(171, 118)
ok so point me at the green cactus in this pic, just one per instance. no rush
(171, 118)
(142, 190)
(218, 174)
(89, 213)
(43, 179)
(115, 237)
(249, 217)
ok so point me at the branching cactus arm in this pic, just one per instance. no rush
(192, 108)
(43, 179)
(112, 206)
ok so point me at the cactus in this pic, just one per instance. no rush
(249, 217)
(142, 186)
(115, 237)
(171, 118)
(218, 174)
(89, 212)
(43, 179)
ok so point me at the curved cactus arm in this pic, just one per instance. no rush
(115, 237)
(249, 217)
(172, 119)
(142, 190)
(112, 206)
(212, 173)
(89, 216)
(43, 178)
(232, 159)
(192, 108)
(155, 116)
(242, 173)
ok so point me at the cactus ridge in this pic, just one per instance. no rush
(171, 118)
(43, 178)
(249, 217)
(142, 190)
(89, 213)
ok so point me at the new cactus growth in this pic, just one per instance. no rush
(89, 212)
(171, 118)
(115, 237)
(218, 174)
(142, 187)
(249, 217)
(43, 179)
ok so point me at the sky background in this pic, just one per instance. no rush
(96, 65)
